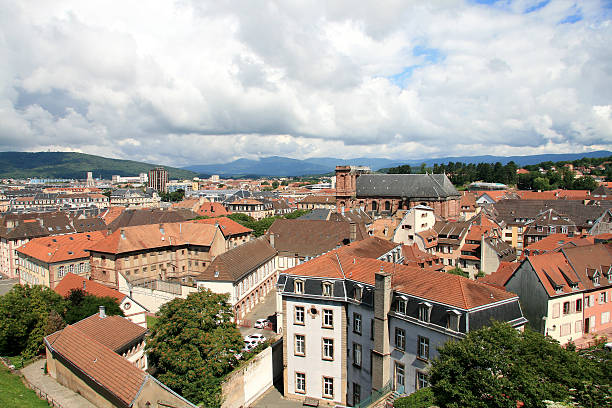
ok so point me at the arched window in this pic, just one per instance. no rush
(374, 206)
(387, 206)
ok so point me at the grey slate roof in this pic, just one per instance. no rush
(406, 185)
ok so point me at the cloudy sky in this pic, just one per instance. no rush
(194, 82)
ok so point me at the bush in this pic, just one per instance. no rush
(423, 398)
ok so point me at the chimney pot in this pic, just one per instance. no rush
(102, 312)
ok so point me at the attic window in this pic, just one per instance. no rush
(358, 293)
(453, 319)
(327, 289)
(400, 306)
(425, 311)
(216, 274)
(298, 286)
(596, 279)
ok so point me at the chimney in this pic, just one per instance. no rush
(352, 231)
(381, 355)
(102, 312)
(272, 240)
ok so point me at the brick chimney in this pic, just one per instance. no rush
(381, 355)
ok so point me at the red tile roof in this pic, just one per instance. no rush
(212, 209)
(360, 265)
(115, 332)
(72, 281)
(112, 213)
(98, 362)
(246, 201)
(501, 276)
(228, 226)
(550, 269)
(151, 236)
(554, 242)
(59, 248)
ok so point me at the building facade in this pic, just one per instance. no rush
(158, 178)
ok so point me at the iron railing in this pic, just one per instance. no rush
(375, 396)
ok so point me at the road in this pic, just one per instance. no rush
(264, 309)
(7, 284)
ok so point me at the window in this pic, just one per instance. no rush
(300, 383)
(453, 320)
(328, 349)
(300, 345)
(356, 393)
(603, 297)
(328, 318)
(358, 293)
(423, 348)
(357, 355)
(372, 329)
(421, 380)
(596, 280)
(61, 272)
(357, 323)
(327, 289)
(424, 311)
(579, 305)
(588, 301)
(299, 286)
(555, 310)
(566, 308)
(401, 306)
(566, 329)
(605, 317)
(400, 338)
(400, 375)
(328, 387)
(299, 315)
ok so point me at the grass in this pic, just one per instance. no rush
(15, 394)
(19, 362)
(151, 322)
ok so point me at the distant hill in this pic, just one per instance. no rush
(74, 165)
(284, 167)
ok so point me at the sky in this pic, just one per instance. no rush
(196, 82)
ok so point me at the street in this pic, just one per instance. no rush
(7, 284)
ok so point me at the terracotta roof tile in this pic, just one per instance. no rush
(156, 236)
(234, 264)
(100, 363)
(72, 281)
(501, 276)
(212, 209)
(59, 248)
(553, 270)
(115, 332)
(228, 226)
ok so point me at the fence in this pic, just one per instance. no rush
(43, 395)
(375, 396)
(156, 284)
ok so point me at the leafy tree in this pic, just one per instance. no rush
(24, 319)
(541, 183)
(497, 366)
(274, 184)
(193, 345)
(458, 271)
(404, 169)
(80, 305)
(296, 214)
(585, 183)
(285, 183)
(422, 398)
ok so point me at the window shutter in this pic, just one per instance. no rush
(556, 307)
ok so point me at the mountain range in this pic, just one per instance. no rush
(284, 167)
(72, 165)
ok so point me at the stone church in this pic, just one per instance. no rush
(356, 187)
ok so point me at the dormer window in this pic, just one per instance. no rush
(400, 306)
(424, 311)
(453, 319)
(358, 293)
(596, 279)
(327, 289)
(298, 286)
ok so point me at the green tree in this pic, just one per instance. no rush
(193, 345)
(80, 304)
(541, 183)
(275, 184)
(404, 169)
(296, 214)
(497, 366)
(24, 319)
(458, 271)
(584, 183)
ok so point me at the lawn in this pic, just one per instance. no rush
(15, 394)
(151, 322)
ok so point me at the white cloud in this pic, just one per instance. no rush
(195, 82)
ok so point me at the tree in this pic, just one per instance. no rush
(458, 271)
(541, 183)
(24, 319)
(404, 169)
(497, 366)
(80, 304)
(274, 184)
(585, 183)
(193, 345)
(296, 214)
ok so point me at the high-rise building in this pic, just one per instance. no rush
(90, 180)
(158, 177)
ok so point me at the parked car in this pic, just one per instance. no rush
(255, 339)
(261, 323)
